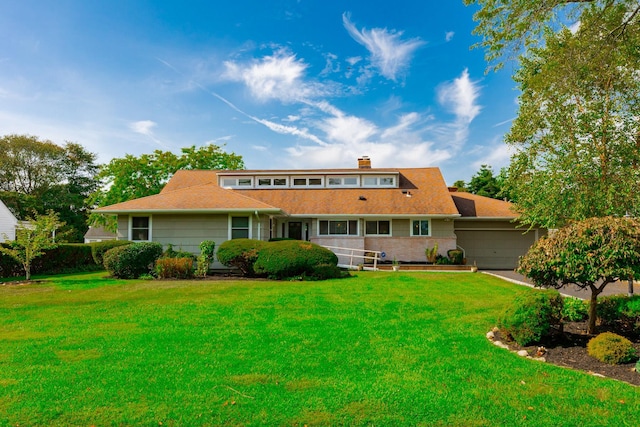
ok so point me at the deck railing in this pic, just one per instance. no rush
(362, 257)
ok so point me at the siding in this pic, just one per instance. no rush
(8, 224)
(186, 232)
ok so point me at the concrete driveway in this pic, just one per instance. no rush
(610, 289)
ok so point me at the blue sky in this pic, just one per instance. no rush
(284, 83)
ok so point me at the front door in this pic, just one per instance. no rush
(295, 230)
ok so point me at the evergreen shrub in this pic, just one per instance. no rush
(611, 348)
(531, 316)
(132, 261)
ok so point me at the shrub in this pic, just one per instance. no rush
(99, 248)
(611, 348)
(241, 254)
(575, 309)
(290, 258)
(172, 253)
(609, 309)
(531, 316)
(621, 311)
(326, 272)
(207, 253)
(455, 256)
(132, 261)
(67, 257)
(174, 268)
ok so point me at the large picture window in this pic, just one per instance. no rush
(378, 228)
(420, 228)
(240, 226)
(140, 228)
(338, 228)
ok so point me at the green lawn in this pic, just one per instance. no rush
(383, 349)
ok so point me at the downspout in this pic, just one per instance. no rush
(259, 226)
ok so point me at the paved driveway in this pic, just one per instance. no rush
(610, 289)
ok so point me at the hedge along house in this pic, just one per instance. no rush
(399, 212)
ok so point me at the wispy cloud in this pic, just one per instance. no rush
(390, 54)
(459, 97)
(449, 35)
(143, 127)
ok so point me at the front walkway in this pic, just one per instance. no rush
(610, 289)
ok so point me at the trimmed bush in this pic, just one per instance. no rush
(9, 267)
(66, 257)
(98, 249)
(174, 268)
(455, 256)
(132, 261)
(326, 272)
(289, 258)
(207, 255)
(575, 309)
(531, 316)
(241, 254)
(611, 348)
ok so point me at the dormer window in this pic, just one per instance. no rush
(342, 181)
(272, 182)
(307, 182)
(237, 182)
(379, 181)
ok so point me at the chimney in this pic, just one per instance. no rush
(364, 162)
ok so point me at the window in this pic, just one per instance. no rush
(272, 182)
(343, 181)
(307, 182)
(420, 228)
(338, 228)
(381, 228)
(140, 228)
(378, 181)
(237, 182)
(240, 226)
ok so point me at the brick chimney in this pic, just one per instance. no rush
(364, 162)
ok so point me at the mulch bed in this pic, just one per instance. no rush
(569, 349)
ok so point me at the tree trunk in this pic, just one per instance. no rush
(593, 305)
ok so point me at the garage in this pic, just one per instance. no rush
(495, 249)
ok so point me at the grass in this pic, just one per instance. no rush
(384, 349)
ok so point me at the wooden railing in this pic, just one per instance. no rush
(362, 257)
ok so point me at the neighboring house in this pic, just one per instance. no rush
(398, 211)
(98, 234)
(8, 224)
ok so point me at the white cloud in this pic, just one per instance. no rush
(497, 155)
(354, 60)
(278, 76)
(348, 129)
(331, 64)
(459, 96)
(143, 127)
(574, 27)
(449, 35)
(389, 53)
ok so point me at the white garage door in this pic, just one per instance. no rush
(497, 250)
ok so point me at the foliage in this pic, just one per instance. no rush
(531, 316)
(288, 258)
(64, 258)
(241, 254)
(207, 255)
(455, 256)
(620, 311)
(38, 176)
(575, 137)
(327, 271)
(98, 249)
(174, 268)
(32, 239)
(132, 261)
(575, 309)
(133, 177)
(589, 254)
(172, 253)
(460, 185)
(484, 183)
(611, 348)
(432, 253)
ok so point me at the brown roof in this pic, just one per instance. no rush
(198, 198)
(472, 205)
(421, 191)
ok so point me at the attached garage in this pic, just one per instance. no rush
(495, 249)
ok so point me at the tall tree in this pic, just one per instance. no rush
(484, 183)
(133, 177)
(37, 176)
(576, 137)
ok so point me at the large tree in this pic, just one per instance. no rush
(133, 177)
(589, 254)
(577, 135)
(37, 176)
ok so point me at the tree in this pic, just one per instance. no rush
(37, 176)
(133, 177)
(577, 135)
(511, 27)
(589, 254)
(33, 238)
(484, 183)
(460, 185)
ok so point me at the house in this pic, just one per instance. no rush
(8, 224)
(397, 211)
(98, 234)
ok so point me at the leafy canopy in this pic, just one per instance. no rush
(589, 254)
